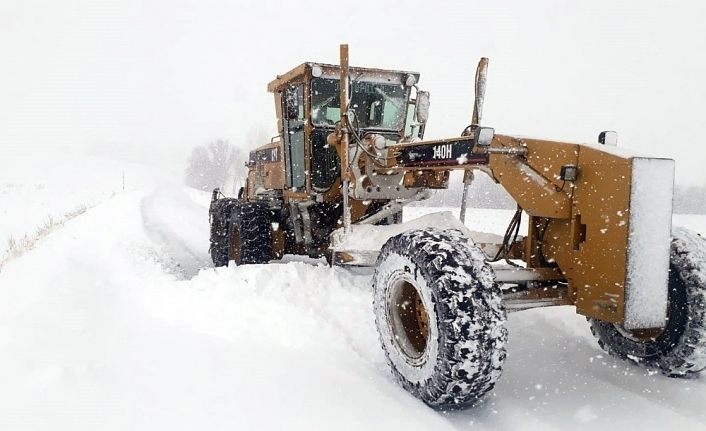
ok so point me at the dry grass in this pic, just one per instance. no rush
(18, 247)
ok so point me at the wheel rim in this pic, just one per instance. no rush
(640, 335)
(653, 344)
(644, 335)
(409, 320)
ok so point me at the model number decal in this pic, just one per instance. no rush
(442, 151)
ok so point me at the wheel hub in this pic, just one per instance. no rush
(409, 320)
(640, 335)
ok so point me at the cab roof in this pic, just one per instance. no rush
(304, 69)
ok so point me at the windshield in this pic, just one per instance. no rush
(372, 104)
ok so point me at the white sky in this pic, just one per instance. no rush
(151, 79)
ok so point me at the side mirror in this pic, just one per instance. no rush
(608, 137)
(483, 136)
(422, 106)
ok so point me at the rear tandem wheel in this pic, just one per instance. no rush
(219, 215)
(251, 234)
(241, 232)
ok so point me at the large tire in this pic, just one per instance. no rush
(251, 234)
(220, 213)
(439, 316)
(679, 349)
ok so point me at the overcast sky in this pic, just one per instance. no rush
(151, 79)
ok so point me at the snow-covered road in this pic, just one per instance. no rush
(174, 222)
(109, 323)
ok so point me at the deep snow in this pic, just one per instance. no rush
(110, 322)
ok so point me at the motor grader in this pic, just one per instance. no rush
(350, 154)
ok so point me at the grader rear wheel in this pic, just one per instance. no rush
(250, 237)
(439, 317)
(680, 347)
(220, 213)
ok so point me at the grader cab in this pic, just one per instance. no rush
(349, 157)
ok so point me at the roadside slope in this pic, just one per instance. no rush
(38, 193)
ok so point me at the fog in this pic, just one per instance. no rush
(148, 80)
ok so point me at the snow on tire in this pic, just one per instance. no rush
(439, 316)
(679, 349)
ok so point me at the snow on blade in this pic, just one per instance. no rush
(648, 243)
(371, 237)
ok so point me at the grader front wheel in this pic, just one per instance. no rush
(439, 317)
(680, 348)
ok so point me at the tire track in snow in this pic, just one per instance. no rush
(166, 213)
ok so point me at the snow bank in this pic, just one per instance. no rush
(370, 237)
(109, 336)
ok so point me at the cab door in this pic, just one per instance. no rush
(293, 111)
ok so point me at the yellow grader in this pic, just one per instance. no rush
(350, 154)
